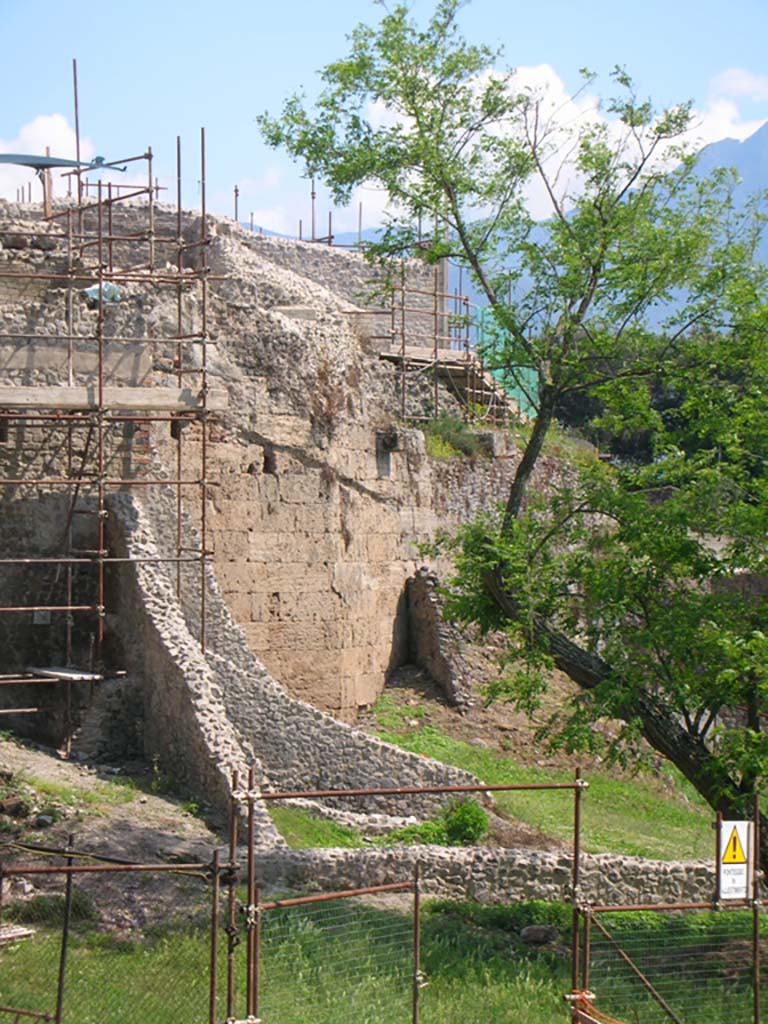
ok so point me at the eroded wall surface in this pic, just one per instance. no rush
(312, 521)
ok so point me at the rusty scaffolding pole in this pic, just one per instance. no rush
(88, 246)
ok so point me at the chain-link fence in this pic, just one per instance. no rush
(685, 966)
(347, 960)
(87, 942)
(85, 939)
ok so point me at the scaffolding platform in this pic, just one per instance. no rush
(118, 399)
(465, 377)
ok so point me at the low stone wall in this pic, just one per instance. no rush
(434, 644)
(491, 876)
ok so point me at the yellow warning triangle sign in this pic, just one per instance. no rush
(734, 851)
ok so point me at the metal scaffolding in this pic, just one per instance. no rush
(63, 439)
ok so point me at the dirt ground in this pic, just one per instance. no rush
(496, 726)
(110, 813)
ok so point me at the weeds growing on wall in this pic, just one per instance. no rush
(448, 436)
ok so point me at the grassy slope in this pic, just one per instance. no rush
(636, 816)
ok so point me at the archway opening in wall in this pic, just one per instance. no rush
(415, 644)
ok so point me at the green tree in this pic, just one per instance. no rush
(639, 292)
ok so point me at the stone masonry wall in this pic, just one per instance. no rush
(313, 526)
(295, 745)
(492, 876)
(434, 643)
(223, 707)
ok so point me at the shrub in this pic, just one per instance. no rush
(465, 822)
(448, 435)
(459, 823)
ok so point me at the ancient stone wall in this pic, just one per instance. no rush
(434, 643)
(492, 876)
(312, 521)
(208, 713)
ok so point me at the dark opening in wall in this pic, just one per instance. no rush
(175, 429)
(3, 430)
(387, 441)
(270, 460)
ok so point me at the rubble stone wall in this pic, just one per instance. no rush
(492, 876)
(313, 526)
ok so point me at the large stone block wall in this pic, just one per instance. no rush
(209, 712)
(313, 526)
(313, 549)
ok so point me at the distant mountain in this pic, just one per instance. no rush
(750, 158)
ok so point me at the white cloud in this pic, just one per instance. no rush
(721, 117)
(560, 112)
(740, 82)
(272, 218)
(52, 130)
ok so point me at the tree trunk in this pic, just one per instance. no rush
(530, 457)
(661, 726)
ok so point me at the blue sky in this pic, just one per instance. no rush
(149, 71)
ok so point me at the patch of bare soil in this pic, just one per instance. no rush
(110, 814)
(496, 726)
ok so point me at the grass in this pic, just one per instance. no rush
(350, 962)
(300, 829)
(560, 442)
(633, 816)
(458, 824)
(56, 800)
(99, 791)
(340, 963)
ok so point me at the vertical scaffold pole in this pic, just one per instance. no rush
(203, 390)
(756, 911)
(576, 878)
(215, 869)
(179, 356)
(232, 898)
(64, 936)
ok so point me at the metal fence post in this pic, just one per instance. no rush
(214, 936)
(65, 935)
(417, 980)
(256, 949)
(756, 912)
(232, 939)
(575, 883)
(250, 996)
(586, 952)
